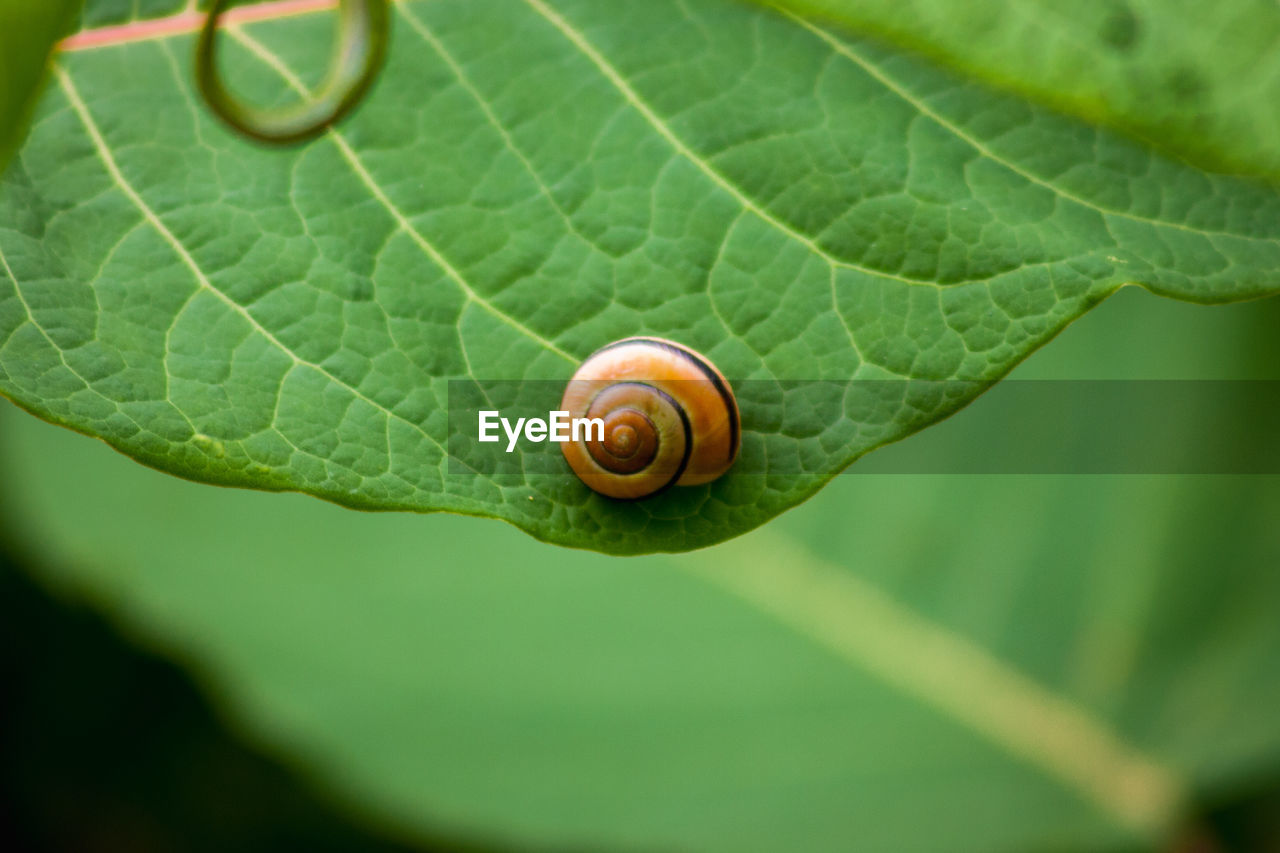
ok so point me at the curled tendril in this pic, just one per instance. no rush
(362, 44)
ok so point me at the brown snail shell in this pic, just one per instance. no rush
(669, 416)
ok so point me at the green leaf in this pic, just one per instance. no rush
(531, 180)
(1051, 663)
(102, 13)
(28, 31)
(1200, 80)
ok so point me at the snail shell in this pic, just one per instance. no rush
(669, 416)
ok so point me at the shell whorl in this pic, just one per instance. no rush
(669, 418)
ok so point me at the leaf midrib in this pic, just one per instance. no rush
(875, 71)
(1159, 789)
(153, 219)
(864, 627)
(615, 77)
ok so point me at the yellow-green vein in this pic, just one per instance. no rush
(863, 626)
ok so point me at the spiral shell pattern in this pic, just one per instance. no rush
(670, 418)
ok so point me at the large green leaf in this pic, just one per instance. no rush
(905, 663)
(102, 13)
(28, 31)
(531, 180)
(1199, 79)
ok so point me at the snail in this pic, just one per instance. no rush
(669, 418)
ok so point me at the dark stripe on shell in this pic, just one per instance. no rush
(707, 370)
(688, 444)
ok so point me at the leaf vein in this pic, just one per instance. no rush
(108, 161)
(584, 45)
(379, 194)
(946, 671)
(982, 148)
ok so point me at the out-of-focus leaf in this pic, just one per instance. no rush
(28, 29)
(531, 180)
(102, 13)
(1200, 79)
(1033, 663)
(103, 747)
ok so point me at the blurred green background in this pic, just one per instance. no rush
(906, 662)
